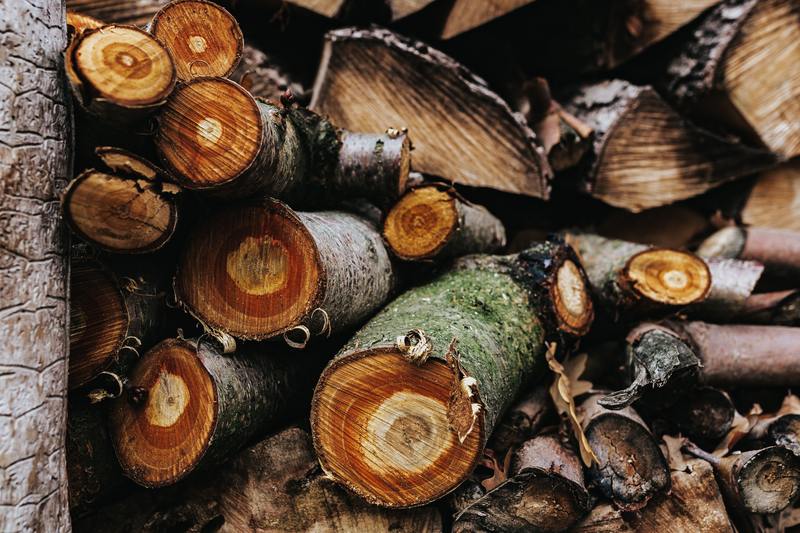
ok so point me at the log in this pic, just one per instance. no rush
(603, 518)
(264, 76)
(345, 9)
(214, 136)
(544, 492)
(435, 222)
(259, 271)
(732, 284)
(631, 469)
(35, 148)
(522, 420)
(275, 486)
(466, 15)
(369, 79)
(189, 406)
(112, 321)
(781, 308)
(777, 249)
(628, 277)
(411, 400)
(133, 12)
(704, 415)
(774, 200)
(780, 430)
(119, 74)
(719, 73)
(645, 154)
(202, 38)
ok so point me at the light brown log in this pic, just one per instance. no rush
(646, 155)
(777, 249)
(774, 200)
(35, 148)
(732, 283)
(135, 12)
(371, 79)
(466, 14)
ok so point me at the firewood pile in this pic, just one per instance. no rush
(434, 265)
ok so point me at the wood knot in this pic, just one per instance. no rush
(415, 345)
(137, 396)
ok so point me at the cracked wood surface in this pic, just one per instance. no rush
(34, 162)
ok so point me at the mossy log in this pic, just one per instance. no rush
(412, 398)
(544, 492)
(645, 154)
(720, 73)
(189, 406)
(202, 38)
(629, 278)
(259, 271)
(112, 321)
(631, 468)
(120, 74)
(777, 249)
(434, 222)
(215, 137)
(371, 79)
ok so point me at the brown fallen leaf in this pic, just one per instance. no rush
(740, 427)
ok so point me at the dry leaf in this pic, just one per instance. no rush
(674, 454)
(739, 429)
(499, 473)
(561, 391)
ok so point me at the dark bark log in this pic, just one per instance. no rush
(522, 421)
(435, 222)
(720, 72)
(704, 415)
(777, 249)
(35, 148)
(264, 76)
(545, 492)
(631, 468)
(202, 38)
(126, 89)
(259, 271)
(215, 137)
(189, 406)
(646, 155)
(427, 379)
(136, 12)
(603, 518)
(371, 79)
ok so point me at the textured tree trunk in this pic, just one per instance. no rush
(274, 487)
(434, 222)
(214, 136)
(431, 374)
(732, 283)
(373, 79)
(638, 136)
(189, 406)
(260, 271)
(35, 147)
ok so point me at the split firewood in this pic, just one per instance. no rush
(646, 155)
(112, 321)
(466, 15)
(670, 226)
(774, 200)
(544, 492)
(777, 249)
(522, 420)
(275, 486)
(704, 415)
(719, 73)
(202, 37)
(344, 9)
(632, 277)
(130, 209)
(264, 77)
(435, 222)
(190, 406)
(371, 78)
(631, 468)
(263, 270)
(120, 74)
(426, 380)
(134, 12)
(214, 136)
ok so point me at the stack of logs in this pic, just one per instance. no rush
(419, 303)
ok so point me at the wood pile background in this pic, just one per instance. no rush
(400, 265)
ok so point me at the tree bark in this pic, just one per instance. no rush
(259, 271)
(264, 77)
(371, 79)
(35, 147)
(432, 373)
(777, 249)
(638, 136)
(704, 415)
(466, 15)
(245, 147)
(135, 12)
(434, 222)
(780, 308)
(189, 406)
(732, 283)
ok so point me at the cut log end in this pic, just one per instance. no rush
(382, 428)
(667, 276)
(78, 22)
(571, 300)
(98, 322)
(767, 480)
(119, 215)
(210, 132)
(162, 438)
(252, 272)
(203, 38)
(123, 65)
(127, 163)
(420, 224)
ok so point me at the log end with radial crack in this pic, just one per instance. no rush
(373, 79)
(765, 481)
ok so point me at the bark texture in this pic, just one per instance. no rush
(35, 143)
(466, 15)
(136, 12)
(732, 283)
(264, 76)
